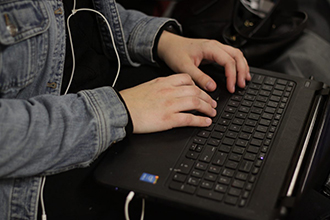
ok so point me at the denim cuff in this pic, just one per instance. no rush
(143, 38)
(111, 114)
(129, 127)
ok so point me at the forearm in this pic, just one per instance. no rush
(49, 134)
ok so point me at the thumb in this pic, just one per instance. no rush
(202, 79)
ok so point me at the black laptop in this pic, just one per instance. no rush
(253, 162)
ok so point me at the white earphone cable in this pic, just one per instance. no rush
(127, 202)
(74, 11)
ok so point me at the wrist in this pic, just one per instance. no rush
(170, 27)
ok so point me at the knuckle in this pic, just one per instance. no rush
(183, 76)
(213, 42)
(231, 61)
(196, 102)
(238, 53)
(187, 119)
(195, 91)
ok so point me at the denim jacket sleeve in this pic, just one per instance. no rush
(49, 134)
(138, 32)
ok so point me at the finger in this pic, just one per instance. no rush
(187, 119)
(214, 52)
(181, 79)
(242, 67)
(202, 79)
(193, 103)
(236, 67)
(194, 91)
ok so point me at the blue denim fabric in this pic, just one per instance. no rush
(41, 132)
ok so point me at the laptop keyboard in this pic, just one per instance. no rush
(223, 161)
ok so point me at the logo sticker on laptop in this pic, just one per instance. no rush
(149, 178)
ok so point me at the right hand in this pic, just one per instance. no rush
(163, 103)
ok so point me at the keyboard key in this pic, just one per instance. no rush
(235, 157)
(228, 141)
(193, 181)
(207, 185)
(179, 177)
(211, 177)
(258, 79)
(232, 134)
(262, 128)
(248, 129)
(183, 187)
(242, 143)
(213, 142)
(198, 140)
(220, 158)
(245, 136)
(249, 156)
(201, 166)
(241, 176)
(214, 169)
(185, 166)
(197, 173)
(277, 92)
(251, 123)
(239, 150)
(246, 166)
(220, 128)
(282, 81)
(217, 135)
(270, 80)
(225, 148)
(192, 155)
(253, 149)
(228, 172)
(204, 134)
(231, 200)
(232, 164)
(234, 192)
(238, 184)
(238, 121)
(221, 188)
(256, 142)
(224, 180)
(234, 128)
(207, 154)
(210, 194)
(242, 202)
(264, 93)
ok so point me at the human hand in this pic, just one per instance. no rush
(163, 103)
(184, 55)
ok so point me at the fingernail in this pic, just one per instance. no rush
(208, 121)
(209, 85)
(214, 104)
(243, 83)
(214, 112)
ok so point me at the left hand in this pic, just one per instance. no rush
(184, 55)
